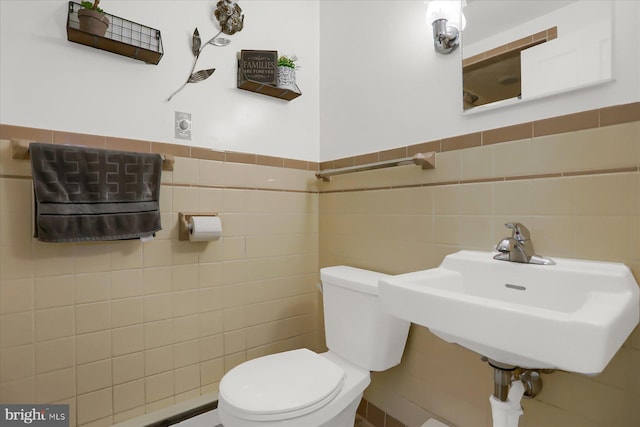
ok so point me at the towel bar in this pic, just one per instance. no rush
(426, 160)
(20, 149)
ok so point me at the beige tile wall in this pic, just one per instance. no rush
(579, 194)
(123, 328)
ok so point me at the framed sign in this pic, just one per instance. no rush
(259, 65)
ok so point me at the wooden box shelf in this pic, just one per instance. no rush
(123, 37)
(265, 89)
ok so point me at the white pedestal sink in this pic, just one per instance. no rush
(573, 315)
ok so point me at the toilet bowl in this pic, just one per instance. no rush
(301, 388)
(297, 388)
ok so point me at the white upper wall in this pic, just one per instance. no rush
(379, 85)
(383, 86)
(45, 79)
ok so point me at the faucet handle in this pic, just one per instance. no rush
(520, 232)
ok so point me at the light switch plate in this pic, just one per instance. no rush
(182, 125)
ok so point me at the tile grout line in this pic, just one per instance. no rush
(565, 174)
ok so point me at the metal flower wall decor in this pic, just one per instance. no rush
(231, 20)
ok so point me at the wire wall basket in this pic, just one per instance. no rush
(123, 37)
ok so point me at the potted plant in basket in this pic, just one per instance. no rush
(287, 72)
(92, 19)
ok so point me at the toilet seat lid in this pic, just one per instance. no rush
(281, 386)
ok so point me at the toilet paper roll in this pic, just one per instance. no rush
(204, 228)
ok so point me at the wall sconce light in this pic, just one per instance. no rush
(448, 21)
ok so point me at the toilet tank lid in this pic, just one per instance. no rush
(357, 279)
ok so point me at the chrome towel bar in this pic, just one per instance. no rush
(426, 160)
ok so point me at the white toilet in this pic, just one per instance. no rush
(300, 388)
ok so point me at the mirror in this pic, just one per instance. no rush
(513, 51)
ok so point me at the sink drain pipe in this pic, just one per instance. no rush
(505, 375)
(502, 377)
(510, 385)
(507, 413)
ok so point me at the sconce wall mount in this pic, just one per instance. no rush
(446, 38)
(447, 20)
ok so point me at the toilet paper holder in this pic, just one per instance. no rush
(183, 223)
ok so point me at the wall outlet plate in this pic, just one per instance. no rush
(182, 125)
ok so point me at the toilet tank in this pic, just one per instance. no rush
(356, 328)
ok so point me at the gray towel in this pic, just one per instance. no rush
(90, 194)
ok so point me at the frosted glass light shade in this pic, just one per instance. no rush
(451, 10)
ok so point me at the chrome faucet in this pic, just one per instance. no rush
(519, 247)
